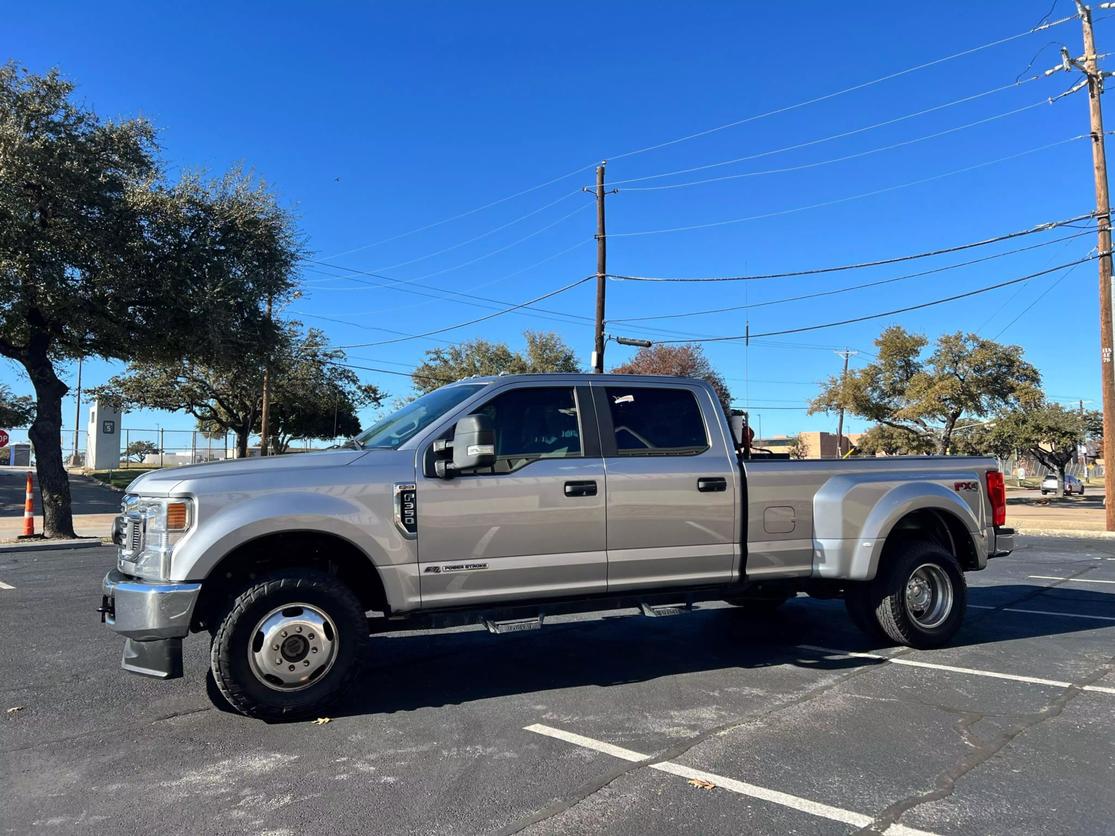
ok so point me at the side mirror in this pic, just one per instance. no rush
(474, 443)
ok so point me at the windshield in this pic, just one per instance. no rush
(391, 432)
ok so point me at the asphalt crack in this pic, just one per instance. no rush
(981, 752)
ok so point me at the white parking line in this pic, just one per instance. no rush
(5, 586)
(804, 805)
(913, 663)
(1074, 580)
(1044, 612)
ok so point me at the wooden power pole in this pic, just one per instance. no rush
(265, 409)
(601, 271)
(846, 354)
(1094, 79)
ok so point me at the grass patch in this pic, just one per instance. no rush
(120, 478)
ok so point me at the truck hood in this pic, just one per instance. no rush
(161, 482)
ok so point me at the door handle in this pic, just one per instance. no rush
(580, 488)
(712, 484)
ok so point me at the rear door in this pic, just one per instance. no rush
(533, 525)
(672, 500)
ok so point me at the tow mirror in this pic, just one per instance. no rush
(473, 445)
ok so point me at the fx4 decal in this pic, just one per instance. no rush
(965, 486)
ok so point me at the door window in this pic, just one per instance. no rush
(656, 422)
(533, 423)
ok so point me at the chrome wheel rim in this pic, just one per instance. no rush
(929, 596)
(292, 647)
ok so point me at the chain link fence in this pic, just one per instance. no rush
(145, 448)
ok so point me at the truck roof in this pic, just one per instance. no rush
(581, 377)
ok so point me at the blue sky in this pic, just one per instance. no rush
(372, 120)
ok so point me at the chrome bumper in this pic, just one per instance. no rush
(145, 611)
(154, 617)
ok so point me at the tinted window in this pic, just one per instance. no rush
(656, 422)
(400, 426)
(533, 423)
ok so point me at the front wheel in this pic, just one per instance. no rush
(289, 644)
(918, 598)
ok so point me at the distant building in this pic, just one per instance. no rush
(818, 445)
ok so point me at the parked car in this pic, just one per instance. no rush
(1072, 485)
(504, 500)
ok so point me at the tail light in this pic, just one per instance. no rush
(997, 493)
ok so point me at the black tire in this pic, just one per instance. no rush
(887, 599)
(275, 596)
(858, 603)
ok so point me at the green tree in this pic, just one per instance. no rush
(99, 256)
(15, 411)
(137, 450)
(798, 448)
(678, 361)
(308, 391)
(882, 439)
(545, 352)
(1050, 433)
(965, 376)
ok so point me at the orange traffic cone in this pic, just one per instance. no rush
(29, 509)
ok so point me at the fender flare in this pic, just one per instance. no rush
(240, 523)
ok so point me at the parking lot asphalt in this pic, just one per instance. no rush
(89, 496)
(708, 722)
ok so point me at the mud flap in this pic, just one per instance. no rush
(160, 658)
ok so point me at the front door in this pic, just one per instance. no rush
(532, 525)
(672, 502)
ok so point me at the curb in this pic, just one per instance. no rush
(51, 545)
(1076, 533)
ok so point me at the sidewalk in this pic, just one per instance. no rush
(86, 525)
(1034, 512)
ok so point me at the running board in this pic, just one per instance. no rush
(662, 610)
(514, 625)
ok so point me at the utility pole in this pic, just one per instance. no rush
(846, 354)
(265, 410)
(1094, 80)
(601, 270)
(77, 413)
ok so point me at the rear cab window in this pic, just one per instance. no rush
(656, 421)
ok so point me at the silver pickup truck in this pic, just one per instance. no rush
(504, 500)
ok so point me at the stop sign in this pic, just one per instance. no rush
(3, 438)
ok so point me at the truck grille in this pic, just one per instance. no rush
(135, 537)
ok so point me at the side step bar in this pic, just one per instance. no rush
(516, 618)
(514, 625)
(662, 610)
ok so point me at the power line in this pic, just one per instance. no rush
(454, 327)
(862, 85)
(1041, 296)
(460, 215)
(841, 159)
(839, 290)
(492, 231)
(1042, 227)
(467, 299)
(842, 135)
(882, 314)
(504, 248)
(850, 198)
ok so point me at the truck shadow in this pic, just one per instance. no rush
(408, 671)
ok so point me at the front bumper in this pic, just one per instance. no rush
(153, 617)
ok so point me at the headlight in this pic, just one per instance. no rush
(152, 528)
